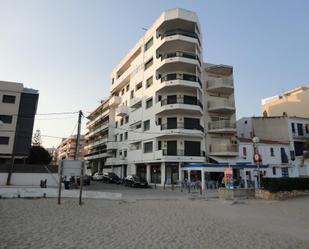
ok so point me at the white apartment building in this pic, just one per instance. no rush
(282, 142)
(167, 109)
(17, 112)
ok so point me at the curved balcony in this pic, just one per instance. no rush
(97, 154)
(220, 86)
(100, 128)
(96, 143)
(180, 79)
(221, 126)
(223, 149)
(122, 111)
(181, 54)
(183, 129)
(181, 32)
(180, 105)
(221, 106)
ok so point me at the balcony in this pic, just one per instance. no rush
(122, 111)
(223, 150)
(221, 105)
(96, 142)
(180, 54)
(181, 105)
(301, 134)
(180, 128)
(221, 126)
(114, 101)
(220, 86)
(189, 80)
(98, 129)
(134, 101)
(97, 154)
(181, 32)
(179, 155)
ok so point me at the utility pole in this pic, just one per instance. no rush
(80, 114)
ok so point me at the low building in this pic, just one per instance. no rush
(290, 103)
(287, 134)
(67, 148)
(17, 113)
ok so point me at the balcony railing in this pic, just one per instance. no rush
(219, 83)
(181, 32)
(181, 125)
(179, 76)
(181, 54)
(167, 152)
(181, 100)
(220, 103)
(221, 148)
(221, 124)
(97, 152)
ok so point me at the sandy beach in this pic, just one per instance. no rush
(40, 223)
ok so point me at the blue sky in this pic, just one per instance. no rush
(67, 48)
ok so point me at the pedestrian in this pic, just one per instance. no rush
(45, 183)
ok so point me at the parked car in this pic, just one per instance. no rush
(86, 180)
(97, 176)
(111, 177)
(135, 181)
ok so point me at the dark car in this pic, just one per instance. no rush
(111, 177)
(86, 180)
(135, 181)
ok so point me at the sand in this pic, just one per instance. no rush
(182, 223)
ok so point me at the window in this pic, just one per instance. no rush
(272, 152)
(148, 147)
(285, 172)
(4, 140)
(113, 81)
(148, 44)
(127, 88)
(132, 94)
(138, 86)
(274, 171)
(244, 152)
(121, 121)
(122, 92)
(8, 99)
(307, 128)
(6, 119)
(116, 138)
(149, 82)
(159, 145)
(125, 153)
(148, 103)
(147, 125)
(127, 119)
(121, 137)
(120, 152)
(126, 135)
(116, 124)
(300, 129)
(138, 126)
(293, 127)
(159, 121)
(148, 64)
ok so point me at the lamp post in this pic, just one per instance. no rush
(257, 158)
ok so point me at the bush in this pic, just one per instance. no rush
(285, 184)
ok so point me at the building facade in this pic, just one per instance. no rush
(289, 134)
(291, 103)
(17, 112)
(66, 150)
(166, 107)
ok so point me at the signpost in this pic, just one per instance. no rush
(69, 168)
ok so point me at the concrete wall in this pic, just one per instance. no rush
(30, 179)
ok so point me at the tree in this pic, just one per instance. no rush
(37, 140)
(39, 155)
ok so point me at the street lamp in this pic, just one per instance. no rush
(257, 158)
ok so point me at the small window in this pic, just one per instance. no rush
(293, 127)
(146, 125)
(121, 121)
(159, 121)
(8, 99)
(116, 124)
(113, 81)
(148, 44)
(138, 126)
(126, 135)
(4, 140)
(116, 138)
(149, 82)
(148, 147)
(272, 152)
(6, 119)
(127, 88)
(244, 152)
(122, 92)
(138, 86)
(274, 171)
(132, 94)
(125, 153)
(307, 128)
(121, 137)
(148, 103)
(285, 172)
(148, 64)
(159, 145)
(120, 152)
(127, 119)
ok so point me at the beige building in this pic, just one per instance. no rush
(291, 103)
(67, 147)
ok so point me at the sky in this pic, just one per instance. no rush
(67, 48)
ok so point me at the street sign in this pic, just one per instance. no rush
(257, 157)
(71, 167)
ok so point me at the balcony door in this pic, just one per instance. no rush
(171, 123)
(172, 148)
(191, 123)
(190, 100)
(171, 99)
(192, 148)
